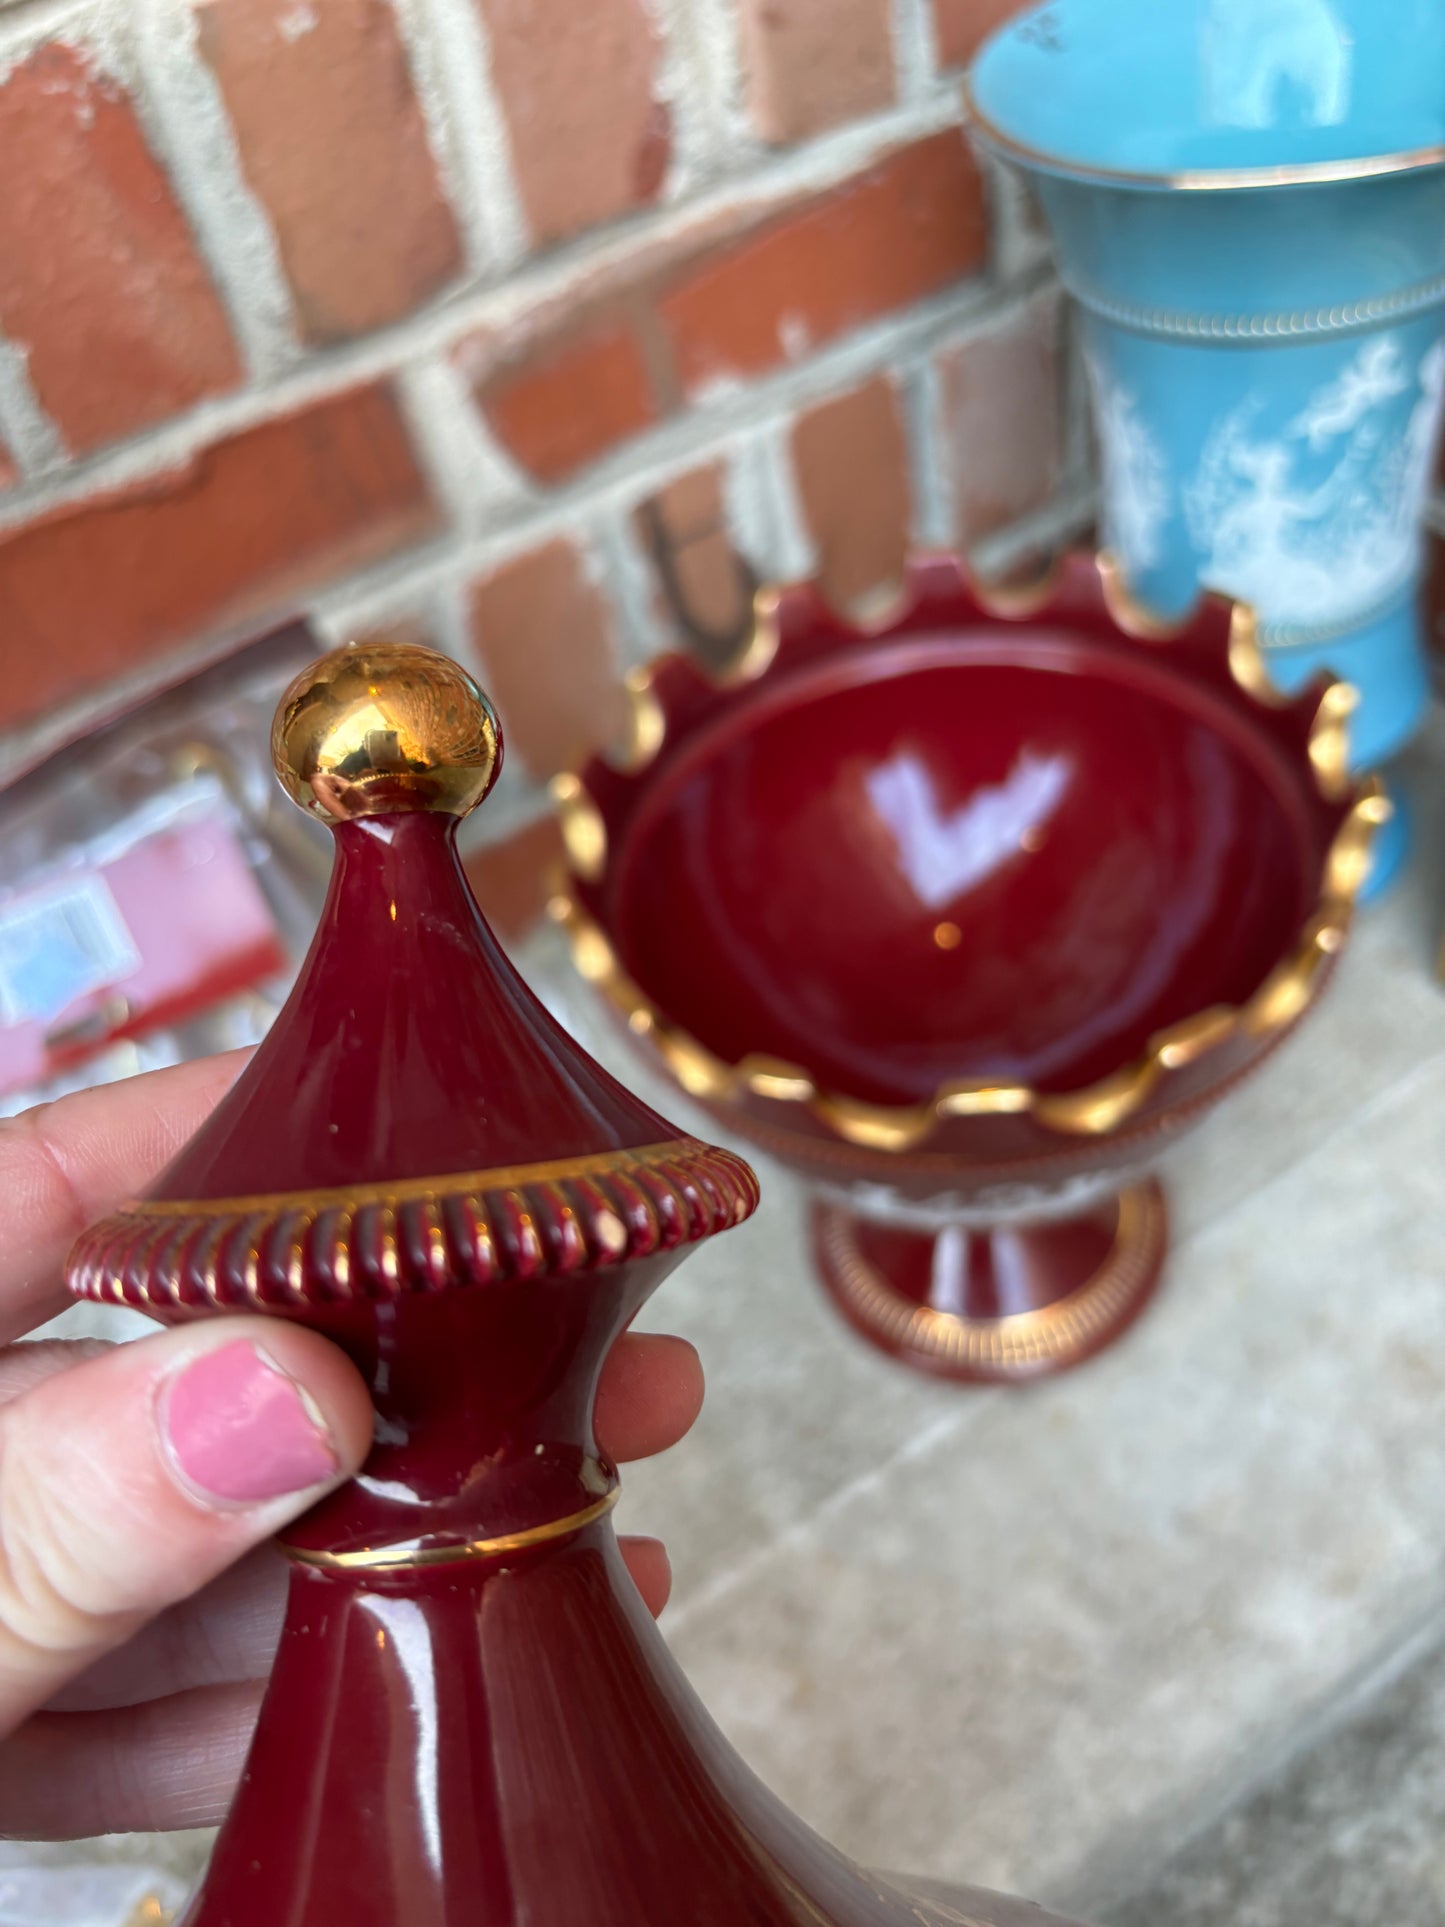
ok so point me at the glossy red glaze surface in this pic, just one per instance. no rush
(511, 1744)
(489, 1733)
(484, 1407)
(409, 1046)
(963, 857)
(978, 846)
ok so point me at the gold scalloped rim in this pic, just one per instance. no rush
(1092, 1110)
(1329, 741)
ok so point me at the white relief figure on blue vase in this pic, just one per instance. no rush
(1135, 474)
(1248, 202)
(1316, 525)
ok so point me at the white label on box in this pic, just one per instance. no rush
(59, 944)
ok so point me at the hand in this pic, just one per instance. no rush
(140, 1484)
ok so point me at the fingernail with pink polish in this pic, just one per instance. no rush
(239, 1429)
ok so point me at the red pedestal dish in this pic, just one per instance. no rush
(965, 917)
(473, 1722)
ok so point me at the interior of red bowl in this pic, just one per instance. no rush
(996, 856)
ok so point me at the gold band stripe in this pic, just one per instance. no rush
(408, 1558)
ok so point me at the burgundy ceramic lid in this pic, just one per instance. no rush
(415, 1117)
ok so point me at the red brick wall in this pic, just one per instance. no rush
(544, 328)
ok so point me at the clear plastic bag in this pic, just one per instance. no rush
(154, 887)
(115, 855)
(39, 1889)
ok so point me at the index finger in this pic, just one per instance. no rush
(66, 1163)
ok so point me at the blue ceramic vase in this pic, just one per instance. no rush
(1248, 203)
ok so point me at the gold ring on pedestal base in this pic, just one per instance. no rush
(1021, 1346)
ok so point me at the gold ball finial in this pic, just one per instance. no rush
(383, 726)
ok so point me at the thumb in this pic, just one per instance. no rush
(131, 1480)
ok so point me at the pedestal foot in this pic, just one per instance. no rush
(1002, 1303)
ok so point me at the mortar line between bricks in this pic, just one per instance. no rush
(1060, 521)
(25, 28)
(915, 60)
(640, 635)
(451, 67)
(178, 100)
(930, 465)
(650, 460)
(148, 50)
(31, 437)
(441, 566)
(473, 477)
(1017, 244)
(402, 581)
(783, 544)
(827, 164)
(702, 76)
(952, 314)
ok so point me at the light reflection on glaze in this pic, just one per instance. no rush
(945, 853)
(405, 1624)
(1111, 861)
(1261, 60)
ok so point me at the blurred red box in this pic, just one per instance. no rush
(152, 934)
